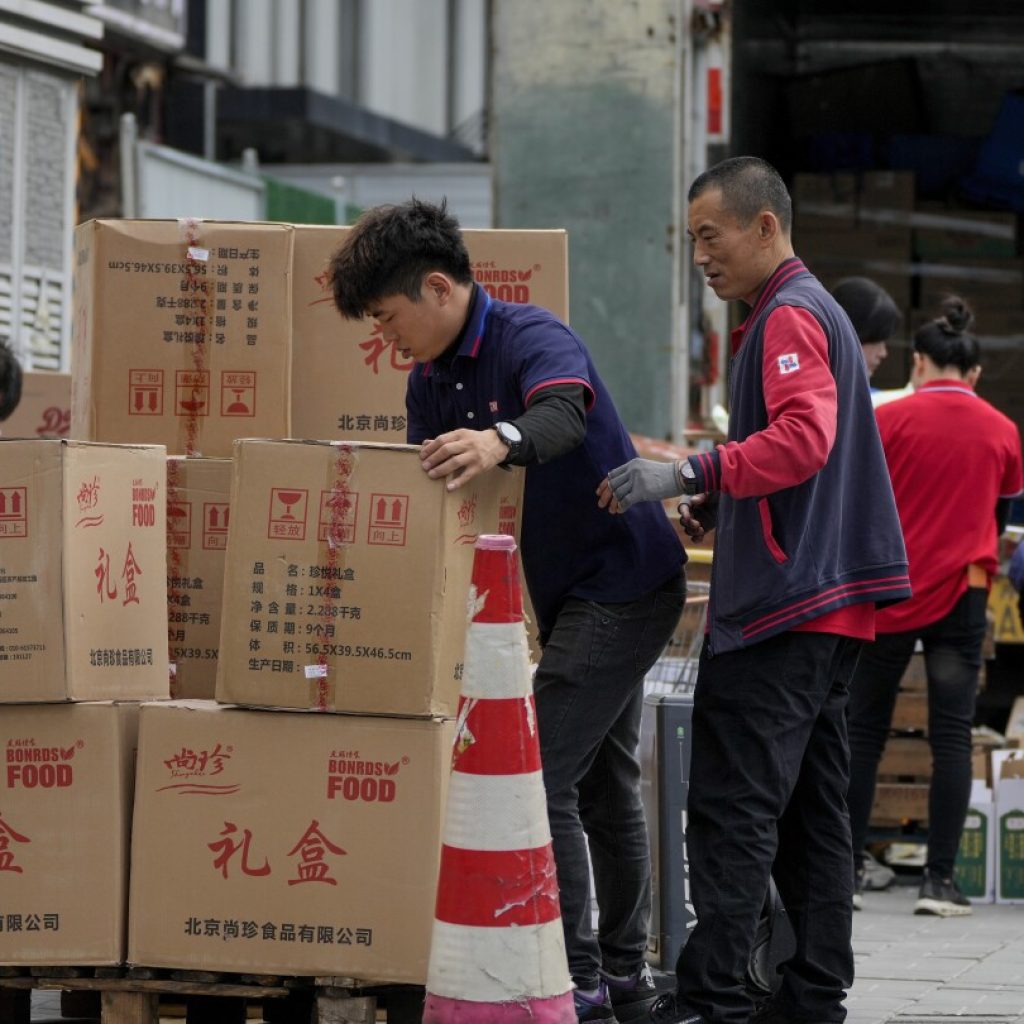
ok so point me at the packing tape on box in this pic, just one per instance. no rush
(336, 520)
(194, 395)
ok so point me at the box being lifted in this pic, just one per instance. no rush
(347, 576)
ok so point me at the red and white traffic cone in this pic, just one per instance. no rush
(498, 953)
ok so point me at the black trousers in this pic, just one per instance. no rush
(768, 782)
(952, 657)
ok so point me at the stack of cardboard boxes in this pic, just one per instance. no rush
(871, 225)
(302, 577)
(82, 639)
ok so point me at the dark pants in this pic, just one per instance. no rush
(589, 694)
(767, 795)
(952, 656)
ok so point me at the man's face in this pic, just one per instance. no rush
(874, 353)
(421, 330)
(733, 257)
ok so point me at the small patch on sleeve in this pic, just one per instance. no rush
(789, 363)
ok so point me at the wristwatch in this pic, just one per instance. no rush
(687, 477)
(512, 437)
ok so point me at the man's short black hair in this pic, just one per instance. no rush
(10, 381)
(391, 249)
(871, 309)
(749, 185)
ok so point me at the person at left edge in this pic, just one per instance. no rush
(497, 384)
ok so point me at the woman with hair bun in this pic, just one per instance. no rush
(955, 462)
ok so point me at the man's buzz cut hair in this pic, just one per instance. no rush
(748, 185)
(390, 250)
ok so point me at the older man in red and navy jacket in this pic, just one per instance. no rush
(807, 544)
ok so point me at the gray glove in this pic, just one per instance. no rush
(644, 480)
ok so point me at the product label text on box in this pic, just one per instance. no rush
(287, 513)
(238, 393)
(146, 392)
(215, 525)
(13, 512)
(179, 524)
(389, 519)
(192, 393)
(338, 513)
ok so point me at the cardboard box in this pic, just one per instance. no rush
(829, 198)
(1008, 773)
(65, 820)
(286, 843)
(83, 548)
(974, 870)
(943, 234)
(347, 576)
(983, 283)
(1015, 723)
(910, 712)
(45, 406)
(906, 757)
(363, 398)
(181, 333)
(886, 197)
(898, 802)
(198, 514)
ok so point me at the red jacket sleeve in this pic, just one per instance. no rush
(800, 398)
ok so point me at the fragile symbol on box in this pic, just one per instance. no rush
(145, 392)
(179, 524)
(215, 525)
(13, 512)
(338, 511)
(192, 393)
(237, 393)
(389, 519)
(287, 514)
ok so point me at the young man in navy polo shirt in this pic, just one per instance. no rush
(497, 384)
(807, 542)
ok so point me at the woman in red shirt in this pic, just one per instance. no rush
(955, 462)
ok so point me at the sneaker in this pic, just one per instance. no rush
(669, 1010)
(594, 1006)
(877, 876)
(858, 889)
(941, 896)
(632, 994)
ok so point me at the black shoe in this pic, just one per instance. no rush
(670, 1010)
(941, 896)
(596, 1007)
(632, 995)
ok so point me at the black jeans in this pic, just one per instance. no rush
(952, 655)
(768, 780)
(589, 694)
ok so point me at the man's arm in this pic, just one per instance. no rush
(800, 399)
(553, 424)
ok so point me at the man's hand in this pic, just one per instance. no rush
(697, 516)
(461, 455)
(639, 480)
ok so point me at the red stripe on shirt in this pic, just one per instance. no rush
(589, 401)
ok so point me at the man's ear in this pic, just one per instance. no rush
(440, 285)
(768, 227)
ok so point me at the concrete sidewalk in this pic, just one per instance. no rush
(910, 970)
(929, 970)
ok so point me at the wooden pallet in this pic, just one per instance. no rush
(133, 997)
